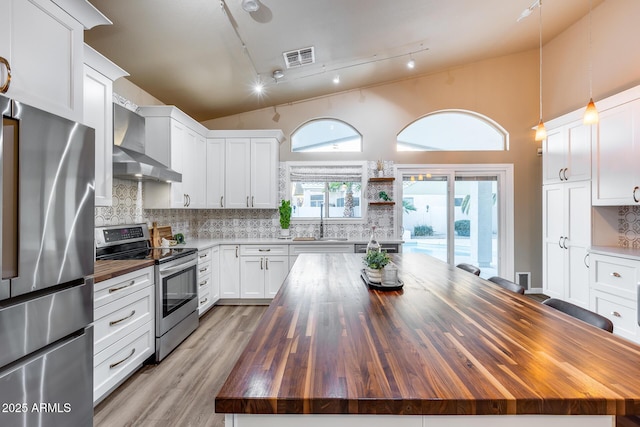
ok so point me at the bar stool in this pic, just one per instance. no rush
(580, 313)
(507, 284)
(470, 268)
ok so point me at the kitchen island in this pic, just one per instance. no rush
(448, 343)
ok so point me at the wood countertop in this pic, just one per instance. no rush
(447, 343)
(105, 270)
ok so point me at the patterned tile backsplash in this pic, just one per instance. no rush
(629, 227)
(239, 223)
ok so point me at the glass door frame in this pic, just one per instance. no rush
(504, 172)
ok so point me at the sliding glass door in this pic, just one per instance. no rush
(458, 214)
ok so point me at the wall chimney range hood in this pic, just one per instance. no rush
(129, 160)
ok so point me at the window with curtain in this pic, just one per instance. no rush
(453, 130)
(331, 190)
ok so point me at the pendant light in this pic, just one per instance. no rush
(541, 132)
(591, 112)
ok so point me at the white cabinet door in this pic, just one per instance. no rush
(215, 274)
(215, 172)
(98, 114)
(567, 154)
(264, 173)
(553, 235)
(566, 238)
(252, 277)
(276, 270)
(237, 173)
(44, 46)
(578, 232)
(615, 156)
(194, 164)
(229, 271)
(178, 142)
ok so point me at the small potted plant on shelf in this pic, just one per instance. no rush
(380, 168)
(375, 262)
(285, 217)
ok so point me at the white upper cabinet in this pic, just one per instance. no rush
(99, 74)
(177, 141)
(567, 153)
(237, 173)
(616, 154)
(43, 44)
(215, 172)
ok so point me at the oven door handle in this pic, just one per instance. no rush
(183, 266)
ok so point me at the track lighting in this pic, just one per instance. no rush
(411, 64)
(336, 79)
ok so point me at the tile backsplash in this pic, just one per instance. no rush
(629, 227)
(238, 223)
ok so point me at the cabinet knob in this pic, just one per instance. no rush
(5, 86)
(616, 314)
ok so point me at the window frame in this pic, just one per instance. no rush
(318, 119)
(363, 191)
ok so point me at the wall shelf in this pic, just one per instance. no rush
(382, 203)
(382, 179)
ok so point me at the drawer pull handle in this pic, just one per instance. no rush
(203, 302)
(264, 250)
(113, 365)
(202, 270)
(115, 322)
(5, 86)
(616, 314)
(111, 290)
(204, 283)
(203, 256)
(616, 274)
(635, 189)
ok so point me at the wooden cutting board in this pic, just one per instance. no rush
(159, 232)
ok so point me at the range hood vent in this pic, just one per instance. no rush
(129, 160)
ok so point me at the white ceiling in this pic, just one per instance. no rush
(186, 52)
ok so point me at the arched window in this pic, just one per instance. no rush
(326, 135)
(453, 130)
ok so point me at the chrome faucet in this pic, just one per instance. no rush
(321, 224)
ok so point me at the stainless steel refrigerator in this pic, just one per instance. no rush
(46, 294)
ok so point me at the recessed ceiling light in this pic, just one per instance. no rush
(250, 5)
(336, 79)
(411, 64)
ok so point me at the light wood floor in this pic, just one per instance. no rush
(181, 390)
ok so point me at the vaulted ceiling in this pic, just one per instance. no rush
(189, 53)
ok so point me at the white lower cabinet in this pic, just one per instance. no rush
(262, 270)
(215, 274)
(340, 248)
(614, 282)
(124, 328)
(205, 274)
(229, 271)
(566, 238)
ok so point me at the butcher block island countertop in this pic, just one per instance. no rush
(448, 343)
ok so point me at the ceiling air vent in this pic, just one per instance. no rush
(299, 57)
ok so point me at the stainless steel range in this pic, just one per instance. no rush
(175, 278)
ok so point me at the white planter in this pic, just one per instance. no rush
(374, 276)
(285, 232)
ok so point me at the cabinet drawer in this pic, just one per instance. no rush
(117, 362)
(621, 311)
(263, 250)
(617, 274)
(118, 287)
(204, 256)
(204, 282)
(204, 270)
(321, 249)
(204, 301)
(115, 320)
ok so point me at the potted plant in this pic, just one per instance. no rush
(375, 262)
(285, 217)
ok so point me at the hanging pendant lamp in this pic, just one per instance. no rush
(541, 132)
(591, 112)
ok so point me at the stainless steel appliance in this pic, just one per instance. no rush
(175, 275)
(46, 298)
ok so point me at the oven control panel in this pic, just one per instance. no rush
(106, 236)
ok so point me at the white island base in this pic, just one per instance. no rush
(317, 420)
